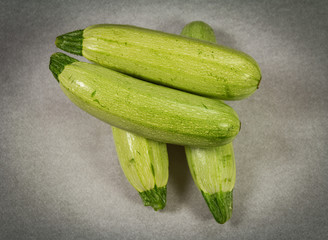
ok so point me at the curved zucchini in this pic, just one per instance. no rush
(155, 112)
(213, 169)
(192, 65)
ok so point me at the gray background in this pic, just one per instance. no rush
(59, 173)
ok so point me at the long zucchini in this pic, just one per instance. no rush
(213, 169)
(154, 112)
(192, 65)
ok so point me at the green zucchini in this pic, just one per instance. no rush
(213, 169)
(145, 164)
(214, 172)
(151, 111)
(180, 62)
(199, 30)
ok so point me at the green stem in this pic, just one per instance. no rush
(220, 205)
(71, 42)
(156, 197)
(58, 61)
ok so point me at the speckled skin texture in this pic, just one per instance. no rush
(195, 66)
(152, 111)
(59, 173)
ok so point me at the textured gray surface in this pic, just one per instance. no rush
(59, 174)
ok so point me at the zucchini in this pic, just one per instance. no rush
(180, 62)
(199, 30)
(151, 111)
(213, 169)
(214, 172)
(145, 164)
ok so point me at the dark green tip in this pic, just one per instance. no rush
(71, 42)
(156, 197)
(220, 205)
(58, 61)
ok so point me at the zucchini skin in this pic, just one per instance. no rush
(152, 111)
(180, 62)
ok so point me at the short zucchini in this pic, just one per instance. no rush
(180, 62)
(152, 111)
(214, 172)
(145, 164)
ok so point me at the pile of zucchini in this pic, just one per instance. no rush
(155, 88)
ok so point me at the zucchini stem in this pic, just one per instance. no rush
(71, 42)
(58, 61)
(156, 197)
